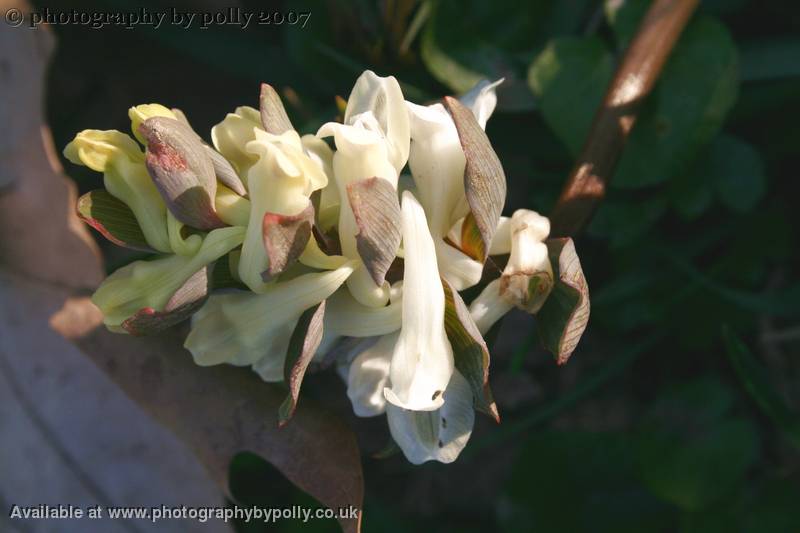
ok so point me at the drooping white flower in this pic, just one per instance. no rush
(372, 142)
(422, 362)
(437, 435)
(253, 329)
(437, 164)
(281, 182)
(528, 276)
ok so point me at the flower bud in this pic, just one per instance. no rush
(150, 284)
(140, 113)
(528, 276)
(182, 170)
(125, 177)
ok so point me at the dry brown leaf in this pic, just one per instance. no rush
(217, 411)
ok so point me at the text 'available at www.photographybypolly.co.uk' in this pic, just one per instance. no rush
(180, 512)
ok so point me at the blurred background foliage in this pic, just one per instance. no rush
(679, 411)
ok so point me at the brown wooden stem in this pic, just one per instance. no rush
(634, 79)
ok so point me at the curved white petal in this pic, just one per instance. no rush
(438, 435)
(422, 362)
(368, 376)
(346, 316)
(232, 135)
(383, 98)
(232, 208)
(489, 307)
(319, 152)
(314, 257)
(242, 328)
(528, 276)
(458, 268)
(281, 181)
(501, 242)
(360, 153)
(437, 164)
(482, 99)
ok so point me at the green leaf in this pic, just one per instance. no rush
(460, 46)
(623, 16)
(689, 452)
(737, 172)
(579, 481)
(755, 380)
(113, 219)
(687, 108)
(564, 316)
(570, 77)
(729, 167)
(614, 218)
(691, 193)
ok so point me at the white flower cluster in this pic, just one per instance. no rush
(301, 223)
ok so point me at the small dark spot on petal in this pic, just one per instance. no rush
(436, 394)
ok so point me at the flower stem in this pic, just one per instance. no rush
(633, 81)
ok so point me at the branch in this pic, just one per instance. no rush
(634, 80)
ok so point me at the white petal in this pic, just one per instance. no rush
(242, 328)
(528, 260)
(482, 99)
(422, 362)
(457, 267)
(437, 163)
(438, 435)
(360, 153)
(368, 376)
(281, 182)
(347, 317)
(319, 152)
(232, 134)
(501, 242)
(489, 307)
(383, 98)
